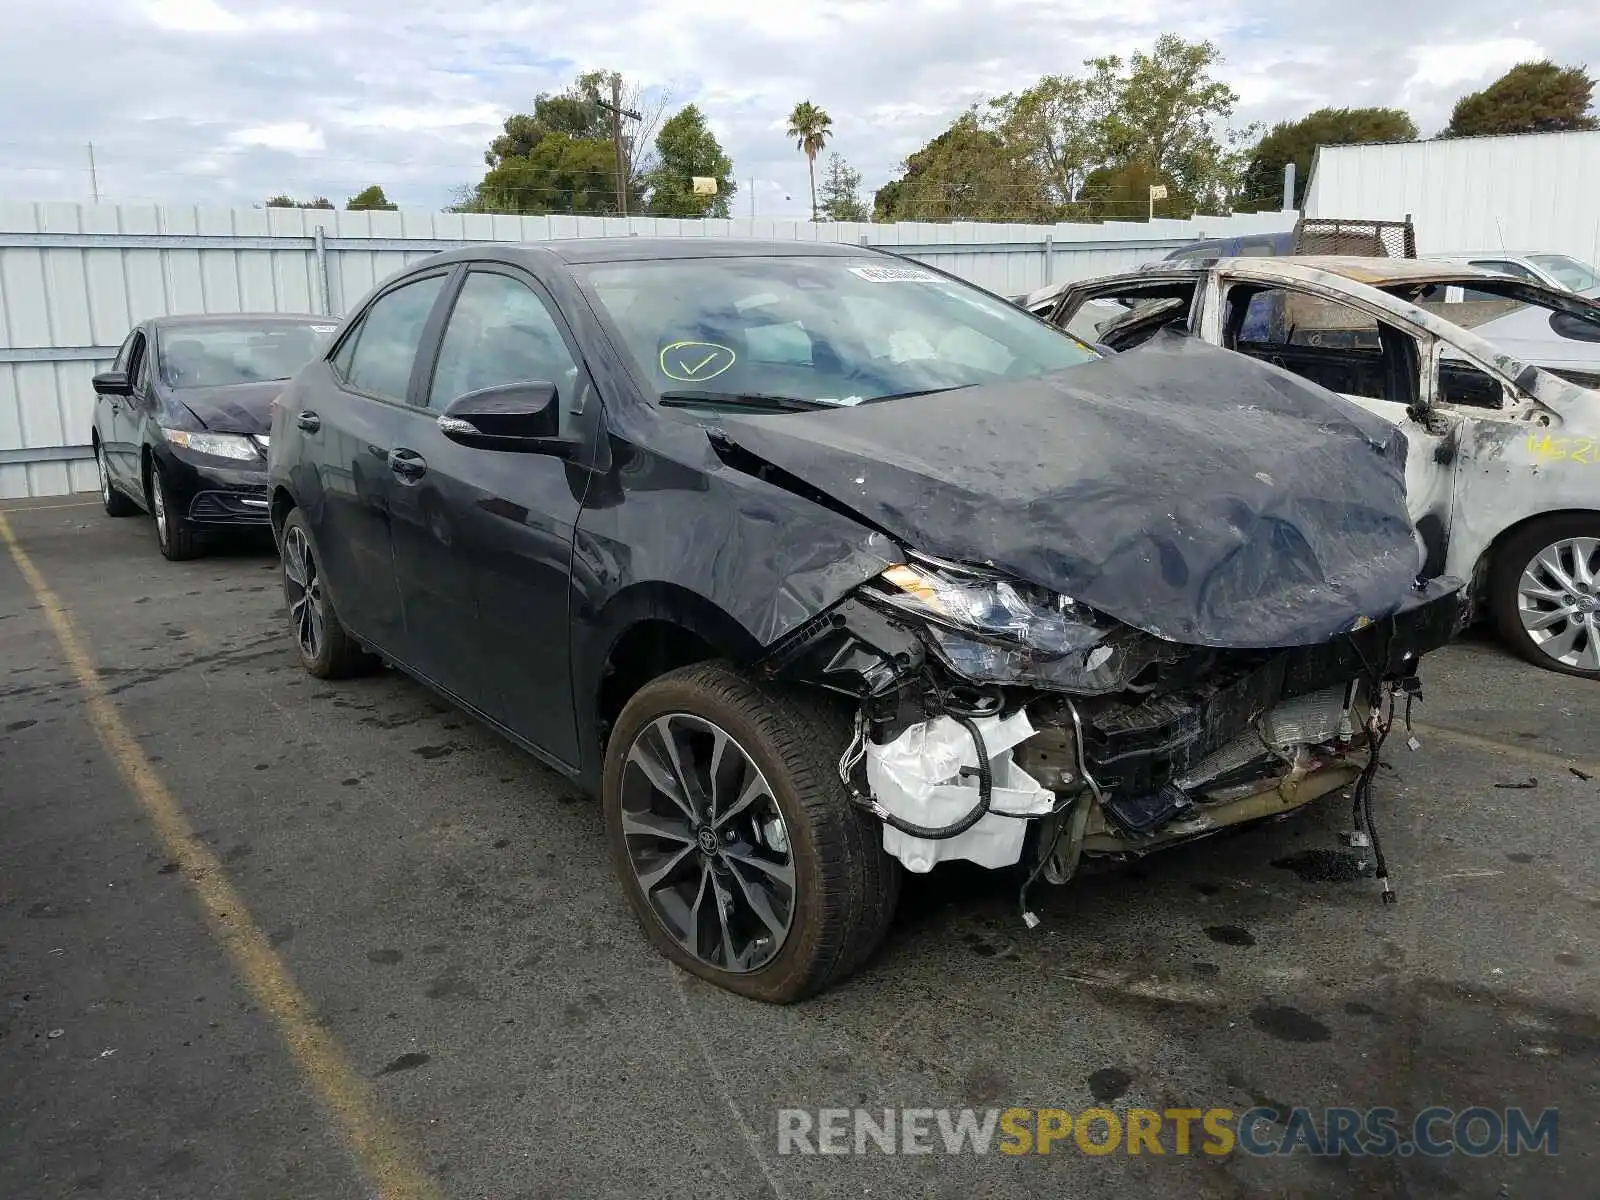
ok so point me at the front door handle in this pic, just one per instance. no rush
(407, 464)
(309, 421)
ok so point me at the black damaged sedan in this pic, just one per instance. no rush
(817, 565)
(182, 417)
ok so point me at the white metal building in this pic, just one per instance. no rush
(1526, 192)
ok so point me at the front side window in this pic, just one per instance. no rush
(824, 329)
(385, 346)
(1329, 342)
(220, 354)
(1502, 266)
(499, 332)
(137, 360)
(125, 353)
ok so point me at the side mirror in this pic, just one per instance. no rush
(112, 383)
(525, 417)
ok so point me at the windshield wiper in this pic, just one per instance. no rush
(954, 387)
(758, 401)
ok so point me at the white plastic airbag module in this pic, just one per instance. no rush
(918, 778)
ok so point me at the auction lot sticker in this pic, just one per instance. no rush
(895, 274)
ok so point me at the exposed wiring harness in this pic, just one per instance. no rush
(1047, 853)
(857, 750)
(1380, 719)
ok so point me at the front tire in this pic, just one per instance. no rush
(325, 647)
(114, 502)
(1544, 592)
(743, 857)
(175, 533)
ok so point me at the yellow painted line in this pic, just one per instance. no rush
(377, 1148)
(28, 508)
(1541, 758)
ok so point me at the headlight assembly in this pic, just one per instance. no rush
(218, 445)
(989, 629)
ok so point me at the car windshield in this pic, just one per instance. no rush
(217, 355)
(1574, 274)
(830, 330)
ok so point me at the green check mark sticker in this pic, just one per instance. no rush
(695, 362)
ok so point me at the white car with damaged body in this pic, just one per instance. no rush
(1492, 379)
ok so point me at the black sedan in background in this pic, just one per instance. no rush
(181, 420)
(746, 536)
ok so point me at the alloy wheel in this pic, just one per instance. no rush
(158, 502)
(1558, 601)
(105, 475)
(304, 586)
(707, 843)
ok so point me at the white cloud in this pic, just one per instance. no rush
(228, 101)
(207, 16)
(294, 136)
(1441, 65)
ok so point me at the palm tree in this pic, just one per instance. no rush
(809, 126)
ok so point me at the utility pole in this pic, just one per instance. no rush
(752, 199)
(94, 178)
(617, 113)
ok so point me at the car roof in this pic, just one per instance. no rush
(1492, 253)
(201, 320)
(1375, 270)
(629, 249)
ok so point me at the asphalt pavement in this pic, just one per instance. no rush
(428, 965)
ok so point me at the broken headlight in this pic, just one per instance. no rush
(990, 629)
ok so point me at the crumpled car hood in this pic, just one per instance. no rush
(1180, 488)
(235, 408)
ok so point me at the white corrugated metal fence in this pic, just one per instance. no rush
(1528, 192)
(75, 278)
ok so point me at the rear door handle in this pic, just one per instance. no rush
(407, 464)
(309, 421)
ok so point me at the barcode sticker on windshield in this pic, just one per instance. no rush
(895, 274)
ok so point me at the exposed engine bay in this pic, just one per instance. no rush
(999, 724)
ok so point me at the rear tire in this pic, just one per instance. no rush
(325, 647)
(1547, 576)
(844, 886)
(116, 504)
(175, 533)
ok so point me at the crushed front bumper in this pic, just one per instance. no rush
(1216, 737)
(1137, 745)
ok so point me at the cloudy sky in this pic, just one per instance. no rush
(227, 101)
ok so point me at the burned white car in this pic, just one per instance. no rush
(1492, 380)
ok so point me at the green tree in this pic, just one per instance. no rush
(1532, 97)
(967, 173)
(529, 176)
(284, 200)
(1058, 126)
(1297, 141)
(810, 127)
(562, 174)
(841, 191)
(1121, 192)
(685, 148)
(369, 199)
(1167, 111)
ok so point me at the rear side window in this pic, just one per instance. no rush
(379, 355)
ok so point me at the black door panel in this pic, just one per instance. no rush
(483, 538)
(350, 444)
